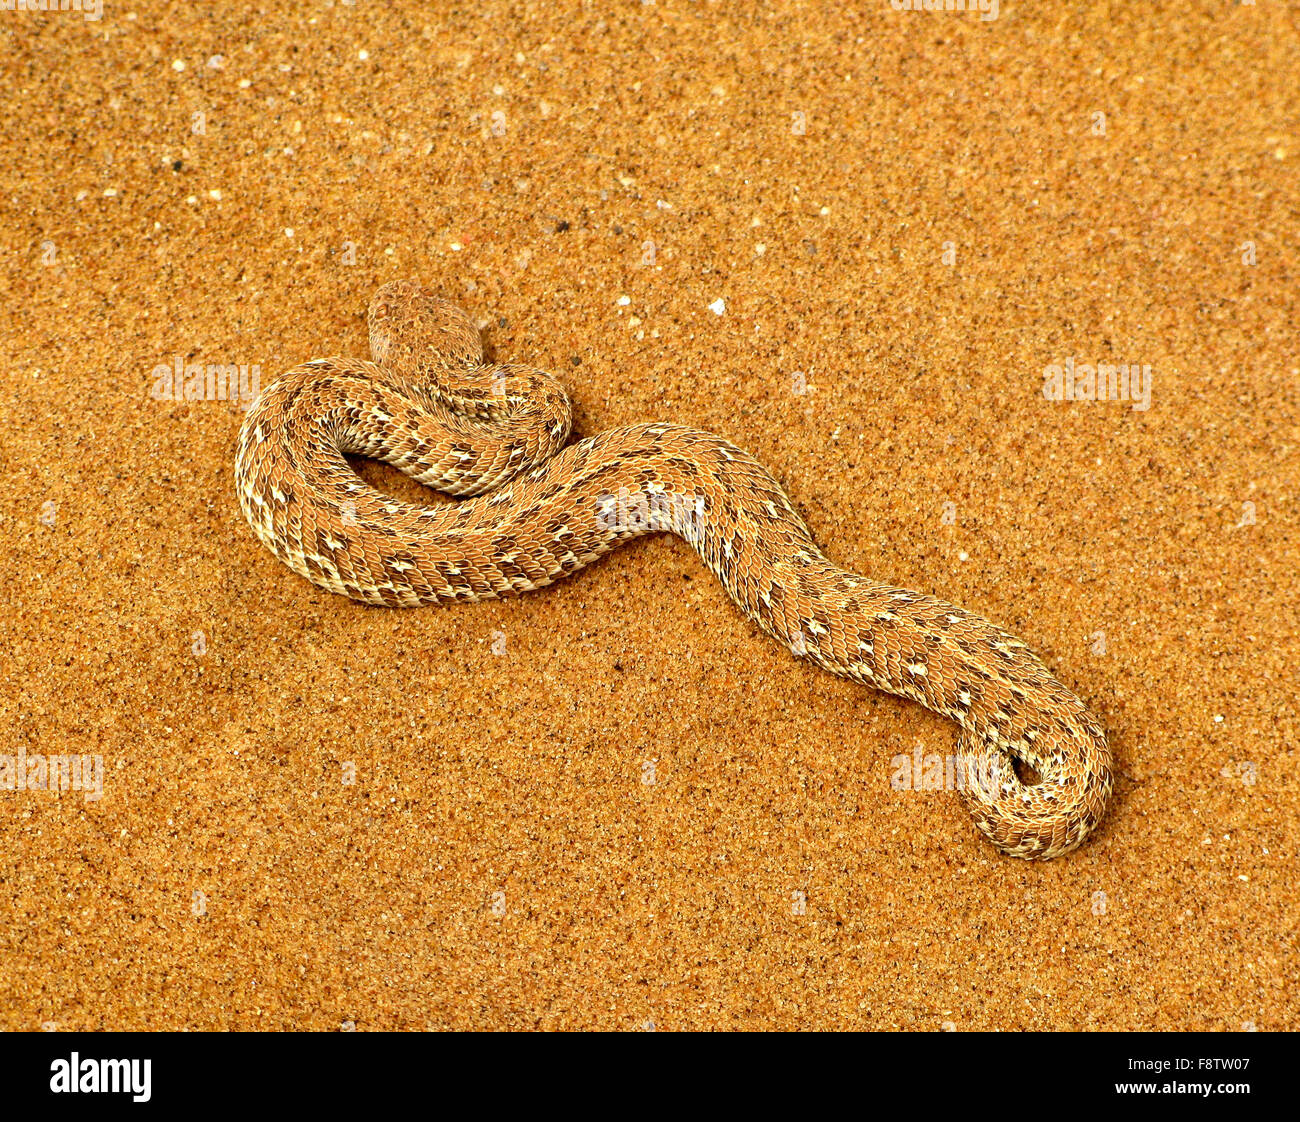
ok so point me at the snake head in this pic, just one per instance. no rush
(410, 328)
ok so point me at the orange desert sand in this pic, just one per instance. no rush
(850, 239)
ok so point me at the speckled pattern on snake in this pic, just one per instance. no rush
(535, 510)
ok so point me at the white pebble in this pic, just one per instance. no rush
(718, 306)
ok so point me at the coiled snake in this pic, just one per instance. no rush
(540, 510)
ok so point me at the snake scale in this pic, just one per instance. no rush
(534, 510)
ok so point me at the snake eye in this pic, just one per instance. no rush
(389, 315)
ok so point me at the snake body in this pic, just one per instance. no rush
(535, 510)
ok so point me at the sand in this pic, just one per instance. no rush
(615, 803)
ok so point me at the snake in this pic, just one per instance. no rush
(534, 507)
